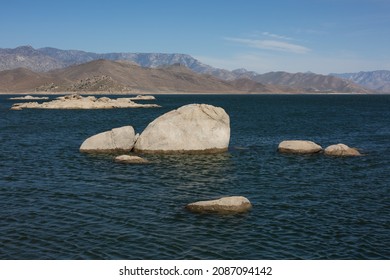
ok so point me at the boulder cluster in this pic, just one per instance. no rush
(194, 128)
(309, 147)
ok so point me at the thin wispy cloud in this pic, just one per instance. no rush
(264, 63)
(274, 45)
(276, 36)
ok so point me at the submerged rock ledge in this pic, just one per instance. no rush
(127, 159)
(224, 205)
(75, 101)
(29, 97)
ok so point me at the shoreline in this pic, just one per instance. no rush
(185, 93)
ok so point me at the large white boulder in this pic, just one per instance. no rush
(191, 128)
(341, 150)
(224, 205)
(299, 147)
(117, 139)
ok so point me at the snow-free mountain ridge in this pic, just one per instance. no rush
(48, 59)
(377, 80)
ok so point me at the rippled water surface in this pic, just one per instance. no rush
(56, 203)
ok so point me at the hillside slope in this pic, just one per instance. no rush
(310, 82)
(120, 77)
(47, 60)
(376, 80)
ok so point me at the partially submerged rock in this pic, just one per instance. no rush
(143, 97)
(224, 205)
(117, 139)
(191, 128)
(75, 101)
(341, 150)
(130, 159)
(299, 147)
(30, 97)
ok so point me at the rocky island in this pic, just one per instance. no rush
(76, 101)
(29, 97)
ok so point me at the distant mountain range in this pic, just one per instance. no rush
(46, 59)
(376, 80)
(44, 64)
(309, 82)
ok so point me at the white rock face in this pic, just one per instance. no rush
(130, 159)
(191, 128)
(224, 205)
(117, 139)
(341, 150)
(299, 147)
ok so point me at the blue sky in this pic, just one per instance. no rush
(321, 36)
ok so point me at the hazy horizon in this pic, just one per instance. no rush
(294, 36)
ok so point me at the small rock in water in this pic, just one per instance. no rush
(29, 97)
(341, 150)
(130, 159)
(143, 97)
(299, 147)
(224, 205)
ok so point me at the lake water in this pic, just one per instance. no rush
(56, 203)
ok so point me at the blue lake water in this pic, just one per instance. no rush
(56, 203)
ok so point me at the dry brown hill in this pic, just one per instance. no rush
(120, 77)
(108, 76)
(21, 80)
(45, 59)
(252, 86)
